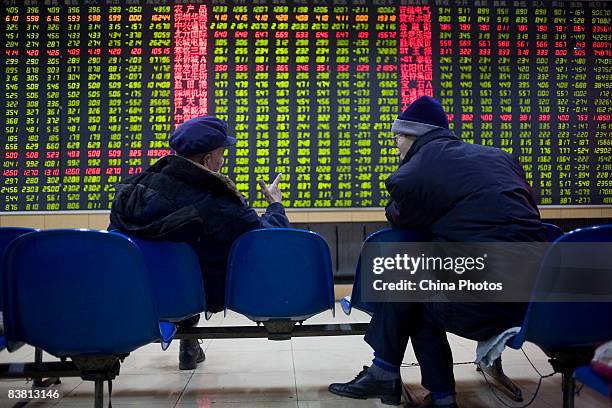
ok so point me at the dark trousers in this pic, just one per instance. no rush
(426, 324)
(189, 322)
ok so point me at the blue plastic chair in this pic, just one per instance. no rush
(7, 235)
(393, 235)
(175, 277)
(77, 292)
(567, 332)
(553, 232)
(570, 323)
(80, 294)
(591, 379)
(383, 235)
(279, 274)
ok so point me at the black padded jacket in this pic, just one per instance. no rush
(460, 192)
(178, 200)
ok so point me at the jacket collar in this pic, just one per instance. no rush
(195, 174)
(438, 133)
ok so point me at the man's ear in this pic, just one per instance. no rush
(205, 160)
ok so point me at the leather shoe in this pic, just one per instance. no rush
(366, 386)
(190, 354)
(428, 402)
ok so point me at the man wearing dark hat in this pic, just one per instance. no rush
(183, 197)
(451, 191)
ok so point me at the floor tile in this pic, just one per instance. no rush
(220, 362)
(342, 403)
(151, 363)
(480, 399)
(551, 392)
(255, 345)
(174, 347)
(312, 384)
(130, 389)
(330, 343)
(231, 319)
(239, 387)
(331, 359)
(204, 402)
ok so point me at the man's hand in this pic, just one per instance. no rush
(272, 193)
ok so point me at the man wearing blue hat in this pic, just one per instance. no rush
(451, 191)
(183, 197)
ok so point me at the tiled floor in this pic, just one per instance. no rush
(262, 373)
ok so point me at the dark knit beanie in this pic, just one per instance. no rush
(422, 115)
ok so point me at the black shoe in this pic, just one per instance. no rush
(428, 402)
(366, 386)
(190, 354)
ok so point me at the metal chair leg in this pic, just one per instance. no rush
(37, 359)
(569, 385)
(43, 382)
(496, 372)
(99, 394)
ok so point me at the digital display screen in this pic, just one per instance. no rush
(91, 91)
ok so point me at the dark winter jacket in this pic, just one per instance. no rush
(179, 200)
(457, 191)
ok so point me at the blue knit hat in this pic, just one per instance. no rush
(202, 134)
(421, 116)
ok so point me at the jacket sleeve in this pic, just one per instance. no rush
(275, 217)
(243, 218)
(414, 202)
(406, 213)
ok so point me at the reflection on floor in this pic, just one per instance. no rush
(295, 373)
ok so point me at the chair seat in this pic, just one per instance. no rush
(96, 304)
(279, 275)
(586, 375)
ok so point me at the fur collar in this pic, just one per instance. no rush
(195, 174)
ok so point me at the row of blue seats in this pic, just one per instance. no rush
(103, 273)
(96, 296)
(566, 332)
(77, 293)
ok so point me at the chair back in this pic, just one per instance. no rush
(383, 235)
(552, 232)
(560, 325)
(7, 235)
(176, 278)
(77, 292)
(279, 274)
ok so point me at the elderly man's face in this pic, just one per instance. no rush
(215, 159)
(404, 143)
